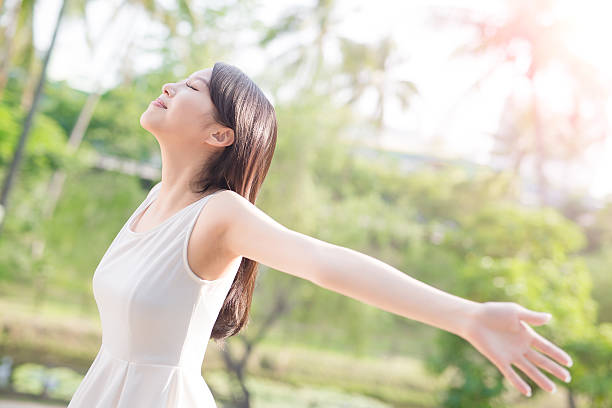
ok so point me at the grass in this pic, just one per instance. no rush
(400, 381)
(57, 335)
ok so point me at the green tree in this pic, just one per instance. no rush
(17, 156)
(367, 67)
(510, 253)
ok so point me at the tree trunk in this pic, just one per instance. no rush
(570, 398)
(27, 93)
(56, 184)
(7, 50)
(237, 365)
(54, 190)
(542, 182)
(15, 163)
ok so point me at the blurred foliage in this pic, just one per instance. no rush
(459, 228)
(591, 376)
(599, 266)
(508, 253)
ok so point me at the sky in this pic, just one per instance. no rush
(444, 118)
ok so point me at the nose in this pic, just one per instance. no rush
(167, 89)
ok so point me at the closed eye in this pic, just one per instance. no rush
(190, 86)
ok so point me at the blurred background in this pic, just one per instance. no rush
(465, 143)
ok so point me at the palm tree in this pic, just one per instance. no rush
(10, 175)
(303, 57)
(8, 43)
(56, 183)
(18, 47)
(170, 19)
(528, 130)
(367, 67)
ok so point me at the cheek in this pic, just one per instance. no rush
(185, 110)
(184, 121)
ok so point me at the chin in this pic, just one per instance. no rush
(147, 124)
(143, 122)
(146, 121)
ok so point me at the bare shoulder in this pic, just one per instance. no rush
(245, 230)
(207, 254)
(216, 215)
(234, 227)
(226, 210)
(222, 207)
(236, 220)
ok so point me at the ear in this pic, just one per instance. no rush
(223, 136)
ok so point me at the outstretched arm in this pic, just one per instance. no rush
(499, 330)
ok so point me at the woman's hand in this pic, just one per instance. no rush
(500, 331)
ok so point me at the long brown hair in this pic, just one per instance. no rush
(241, 167)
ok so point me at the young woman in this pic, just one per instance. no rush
(182, 269)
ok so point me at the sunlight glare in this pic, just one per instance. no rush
(590, 31)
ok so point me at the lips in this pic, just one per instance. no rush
(161, 103)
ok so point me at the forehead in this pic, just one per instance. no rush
(206, 73)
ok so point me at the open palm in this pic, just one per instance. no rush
(501, 332)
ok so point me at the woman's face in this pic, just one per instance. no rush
(187, 119)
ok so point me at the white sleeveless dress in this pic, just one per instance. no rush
(156, 316)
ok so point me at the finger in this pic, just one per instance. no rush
(515, 379)
(548, 365)
(535, 374)
(550, 349)
(533, 317)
